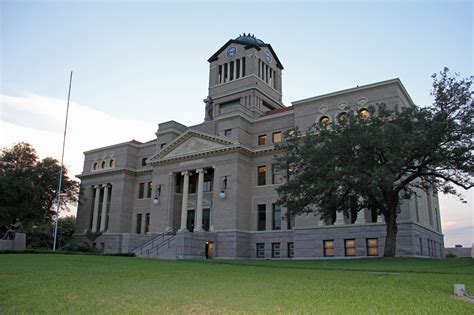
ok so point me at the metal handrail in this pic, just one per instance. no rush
(152, 241)
(167, 242)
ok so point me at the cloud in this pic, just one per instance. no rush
(39, 120)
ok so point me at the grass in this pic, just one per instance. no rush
(56, 284)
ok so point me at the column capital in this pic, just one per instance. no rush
(185, 173)
(201, 170)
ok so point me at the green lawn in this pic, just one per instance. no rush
(57, 284)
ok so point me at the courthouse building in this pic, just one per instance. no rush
(208, 190)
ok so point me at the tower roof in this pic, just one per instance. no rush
(249, 41)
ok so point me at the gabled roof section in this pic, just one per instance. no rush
(192, 143)
(258, 44)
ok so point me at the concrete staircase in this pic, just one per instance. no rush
(162, 246)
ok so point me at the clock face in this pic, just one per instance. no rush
(231, 52)
(268, 56)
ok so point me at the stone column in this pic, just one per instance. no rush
(200, 195)
(339, 218)
(242, 67)
(184, 204)
(95, 215)
(360, 217)
(104, 208)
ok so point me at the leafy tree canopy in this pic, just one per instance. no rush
(376, 162)
(28, 186)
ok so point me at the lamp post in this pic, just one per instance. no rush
(156, 201)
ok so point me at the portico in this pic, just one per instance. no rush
(198, 189)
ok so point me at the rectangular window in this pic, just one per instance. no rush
(277, 175)
(220, 74)
(262, 174)
(276, 220)
(138, 228)
(231, 74)
(243, 67)
(207, 187)
(227, 132)
(349, 247)
(328, 248)
(290, 222)
(275, 250)
(262, 217)
(277, 137)
(238, 68)
(372, 247)
(291, 250)
(141, 190)
(147, 223)
(143, 161)
(262, 139)
(162, 145)
(149, 189)
(260, 250)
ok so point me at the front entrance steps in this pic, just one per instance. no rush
(162, 246)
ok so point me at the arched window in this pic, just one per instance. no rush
(112, 163)
(364, 113)
(103, 164)
(342, 117)
(96, 166)
(324, 120)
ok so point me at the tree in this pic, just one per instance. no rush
(378, 161)
(28, 186)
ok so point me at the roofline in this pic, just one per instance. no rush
(357, 88)
(246, 46)
(129, 143)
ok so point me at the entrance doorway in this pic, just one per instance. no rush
(210, 249)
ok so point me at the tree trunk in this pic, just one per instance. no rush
(392, 229)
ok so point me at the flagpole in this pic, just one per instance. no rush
(58, 191)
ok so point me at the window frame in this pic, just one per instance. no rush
(261, 176)
(149, 189)
(228, 132)
(348, 249)
(327, 248)
(291, 249)
(369, 247)
(277, 133)
(262, 137)
(276, 250)
(260, 250)
(138, 223)
(262, 214)
(276, 219)
(141, 190)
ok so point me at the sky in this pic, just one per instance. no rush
(139, 63)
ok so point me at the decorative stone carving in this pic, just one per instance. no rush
(194, 145)
(323, 109)
(342, 105)
(362, 101)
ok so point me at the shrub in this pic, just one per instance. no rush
(451, 255)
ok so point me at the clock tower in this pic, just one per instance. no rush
(244, 75)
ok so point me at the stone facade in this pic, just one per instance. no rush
(209, 190)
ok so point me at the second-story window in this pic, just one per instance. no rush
(262, 174)
(162, 145)
(141, 190)
(262, 139)
(143, 161)
(227, 132)
(277, 137)
(149, 189)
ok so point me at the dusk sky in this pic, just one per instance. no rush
(137, 64)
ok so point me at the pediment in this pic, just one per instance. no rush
(192, 143)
